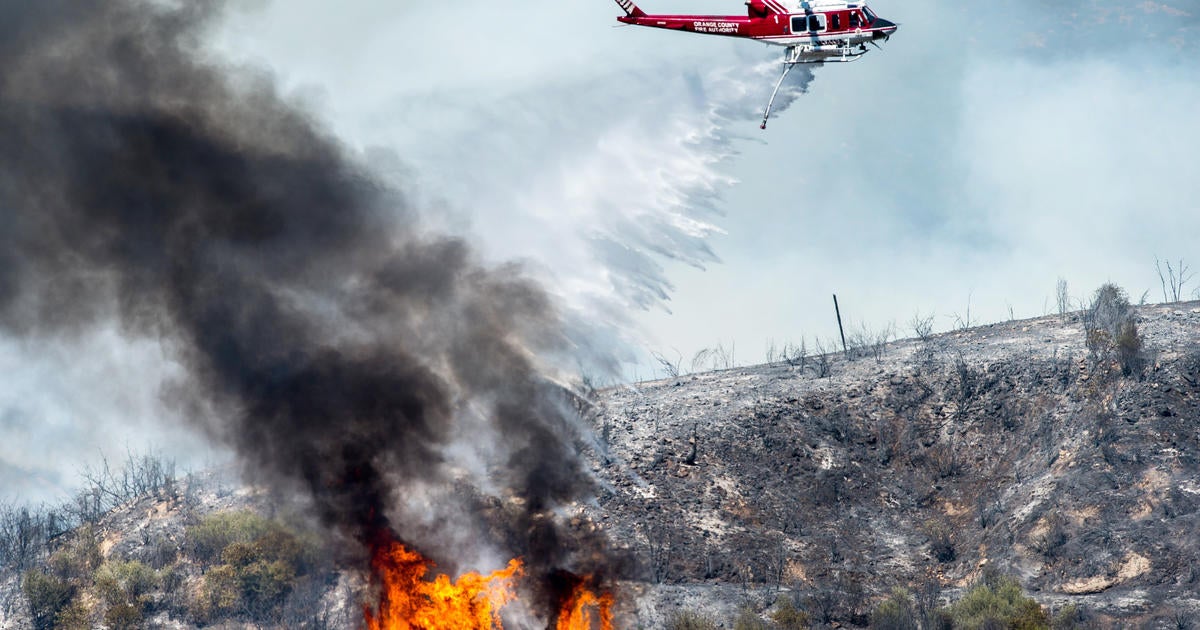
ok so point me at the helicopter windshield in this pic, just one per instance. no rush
(870, 15)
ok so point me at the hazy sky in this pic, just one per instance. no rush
(985, 152)
(982, 154)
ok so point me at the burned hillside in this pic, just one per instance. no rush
(1020, 446)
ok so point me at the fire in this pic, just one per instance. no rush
(408, 601)
(583, 607)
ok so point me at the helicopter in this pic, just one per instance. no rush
(813, 31)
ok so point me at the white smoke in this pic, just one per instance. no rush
(600, 181)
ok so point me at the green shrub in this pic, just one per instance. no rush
(239, 554)
(687, 620)
(123, 616)
(170, 579)
(207, 540)
(897, 612)
(260, 562)
(997, 601)
(48, 596)
(220, 594)
(1068, 618)
(78, 558)
(296, 549)
(264, 585)
(75, 616)
(788, 616)
(125, 583)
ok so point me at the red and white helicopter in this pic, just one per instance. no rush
(814, 31)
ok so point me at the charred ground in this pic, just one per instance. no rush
(1011, 445)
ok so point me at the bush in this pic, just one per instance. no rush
(220, 595)
(264, 585)
(1109, 325)
(1110, 309)
(260, 563)
(126, 581)
(788, 616)
(1129, 349)
(48, 596)
(687, 620)
(76, 560)
(207, 540)
(75, 616)
(897, 612)
(997, 602)
(1068, 618)
(123, 616)
(941, 543)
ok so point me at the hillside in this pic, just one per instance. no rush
(923, 464)
(1008, 445)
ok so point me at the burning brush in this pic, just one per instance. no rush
(410, 601)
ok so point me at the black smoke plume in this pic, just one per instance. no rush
(340, 347)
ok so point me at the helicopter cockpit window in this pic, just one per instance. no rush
(855, 22)
(816, 23)
(869, 14)
(799, 24)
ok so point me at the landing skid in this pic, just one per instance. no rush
(835, 52)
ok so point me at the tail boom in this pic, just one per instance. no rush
(762, 22)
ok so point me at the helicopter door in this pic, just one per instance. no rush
(816, 23)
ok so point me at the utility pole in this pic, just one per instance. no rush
(840, 330)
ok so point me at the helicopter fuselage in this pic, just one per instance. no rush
(780, 23)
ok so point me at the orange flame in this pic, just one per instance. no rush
(583, 607)
(410, 602)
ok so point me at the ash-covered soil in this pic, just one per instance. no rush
(1008, 445)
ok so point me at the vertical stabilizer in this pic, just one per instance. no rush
(630, 8)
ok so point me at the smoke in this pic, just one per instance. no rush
(603, 181)
(325, 335)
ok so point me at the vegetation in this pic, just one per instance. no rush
(1173, 281)
(996, 601)
(208, 539)
(897, 612)
(260, 562)
(788, 616)
(47, 595)
(25, 531)
(1110, 330)
(256, 563)
(688, 620)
